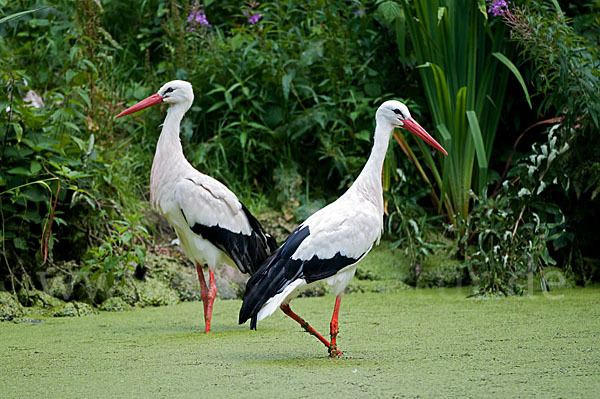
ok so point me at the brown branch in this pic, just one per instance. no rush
(411, 156)
(514, 233)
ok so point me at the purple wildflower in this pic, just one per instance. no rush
(254, 18)
(197, 18)
(360, 12)
(249, 8)
(498, 7)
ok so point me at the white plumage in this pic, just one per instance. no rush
(212, 225)
(331, 242)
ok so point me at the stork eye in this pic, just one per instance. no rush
(397, 111)
(169, 90)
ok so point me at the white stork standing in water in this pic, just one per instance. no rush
(331, 242)
(212, 225)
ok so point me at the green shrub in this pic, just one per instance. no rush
(460, 56)
(294, 92)
(562, 54)
(297, 90)
(58, 192)
(511, 233)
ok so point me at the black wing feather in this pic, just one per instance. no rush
(267, 239)
(246, 251)
(279, 270)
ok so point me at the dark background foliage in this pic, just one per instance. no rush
(283, 115)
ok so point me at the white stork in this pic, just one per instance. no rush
(212, 225)
(331, 242)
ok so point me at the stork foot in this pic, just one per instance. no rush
(334, 352)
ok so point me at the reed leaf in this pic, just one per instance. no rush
(482, 159)
(464, 69)
(515, 72)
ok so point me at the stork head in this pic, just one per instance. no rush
(396, 114)
(176, 93)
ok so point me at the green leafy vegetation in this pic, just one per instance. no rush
(61, 197)
(531, 218)
(284, 109)
(561, 175)
(464, 75)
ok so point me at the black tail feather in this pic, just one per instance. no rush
(265, 243)
(256, 293)
(276, 273)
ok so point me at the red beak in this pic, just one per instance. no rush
(413, 126)
(148, 102)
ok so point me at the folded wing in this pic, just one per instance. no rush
(212, 211)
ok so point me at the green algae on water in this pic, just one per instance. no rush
(414, 343)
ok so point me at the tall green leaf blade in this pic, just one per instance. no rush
(556, 6)
(508, 63)
(401, 36)
(20, 14)
(460, 110)
(479, 149)
(441, 86)
(447, 143)
(482, 8)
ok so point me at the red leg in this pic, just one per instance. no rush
(286, 309)
(333, 328)
(205, 295)
(212, 294)
(203, 287)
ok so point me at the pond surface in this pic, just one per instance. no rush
(415, 343)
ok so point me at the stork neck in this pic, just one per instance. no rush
(168, 158)
(368, 183)
(169, 140)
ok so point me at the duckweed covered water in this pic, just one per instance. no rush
(415, 343)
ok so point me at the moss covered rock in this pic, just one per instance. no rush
(182, 277)
(10, 308)
(58, 280)
(72, 309)
(231, 283)
(151, 292)
(320, 288)
(155, 292)
(184, 281)
(114, 304)
(58, 287)
(38, 299)
(378, 286)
